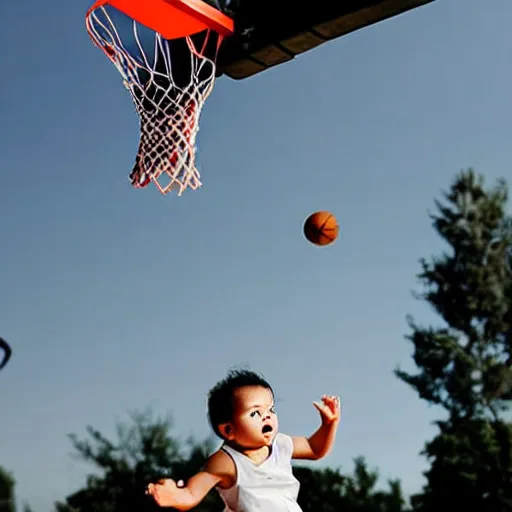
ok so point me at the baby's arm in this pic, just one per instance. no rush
(219, 470)
(319, 444)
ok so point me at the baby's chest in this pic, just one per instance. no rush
(276, 478)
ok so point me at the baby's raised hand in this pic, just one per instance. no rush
(329, 409)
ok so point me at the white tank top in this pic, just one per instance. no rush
(266, 487)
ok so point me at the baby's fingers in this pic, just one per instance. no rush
(332, 401)
(324, 409)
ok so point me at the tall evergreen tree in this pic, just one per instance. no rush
(464, 364)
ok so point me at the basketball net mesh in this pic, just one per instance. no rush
(169, 112)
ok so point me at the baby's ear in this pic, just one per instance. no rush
(227, 431)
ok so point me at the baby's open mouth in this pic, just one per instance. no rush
(266, 429)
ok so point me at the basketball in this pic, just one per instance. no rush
(321, 228)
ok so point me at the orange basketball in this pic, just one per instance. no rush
(321, 228)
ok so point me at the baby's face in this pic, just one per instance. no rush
(254, 423)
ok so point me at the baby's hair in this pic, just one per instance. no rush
(220, 397)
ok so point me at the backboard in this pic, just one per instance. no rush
(271, 32)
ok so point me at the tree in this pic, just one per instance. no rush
(330, 491)
(7, 498)
(464, 366)
(146, 450)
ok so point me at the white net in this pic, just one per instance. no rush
(169, 81)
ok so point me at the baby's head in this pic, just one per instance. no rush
(241, 410)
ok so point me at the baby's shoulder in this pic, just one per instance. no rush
(223, 466)
(285, 444)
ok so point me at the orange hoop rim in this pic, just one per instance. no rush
(172, 19)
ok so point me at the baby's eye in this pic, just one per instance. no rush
(273, 410)
(254, 413)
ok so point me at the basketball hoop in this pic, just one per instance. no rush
(7, 352)
(166, 52)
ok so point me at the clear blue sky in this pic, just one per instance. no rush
(116, 299)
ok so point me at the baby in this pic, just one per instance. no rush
(252, 470)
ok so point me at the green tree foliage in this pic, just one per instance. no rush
(464, 365)
(146, 450)
(330, 491)
(7, 498)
